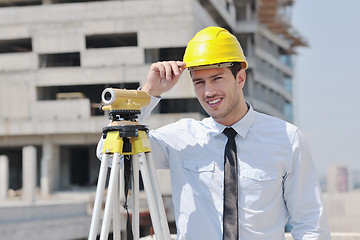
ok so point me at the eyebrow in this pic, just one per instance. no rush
(212, 76)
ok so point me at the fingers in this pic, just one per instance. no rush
(163, 76)
(169, 70)
(177, 67)
(160, 68)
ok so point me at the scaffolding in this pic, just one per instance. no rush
(270, 16)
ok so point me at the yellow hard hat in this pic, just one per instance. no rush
(213, 45)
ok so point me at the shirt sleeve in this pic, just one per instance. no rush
(159, 148)
(302, 195)
(146, 111)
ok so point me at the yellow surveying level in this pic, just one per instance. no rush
(125, 139)
(122, 99)
(124, 135)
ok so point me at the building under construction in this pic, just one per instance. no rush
(57, 56)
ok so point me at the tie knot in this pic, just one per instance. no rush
(229, 132)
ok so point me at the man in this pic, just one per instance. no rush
(239, 185)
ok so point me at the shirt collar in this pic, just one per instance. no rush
(242, 127)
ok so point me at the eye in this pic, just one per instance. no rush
(198, 83)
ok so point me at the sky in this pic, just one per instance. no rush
(327, 80)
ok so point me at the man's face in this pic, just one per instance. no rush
(219, 93)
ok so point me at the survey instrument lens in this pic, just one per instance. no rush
(107, 96)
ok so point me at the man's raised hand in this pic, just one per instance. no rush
(163, 76)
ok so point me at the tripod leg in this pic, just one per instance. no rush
(158, 197)
(110, 197)
(95, 219)
(153, 206)
(135, 198)
(122, 186)
(116, 211)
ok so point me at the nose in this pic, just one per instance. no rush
(209, 90)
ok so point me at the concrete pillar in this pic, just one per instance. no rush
(50, 168)
(250, 47)
(248, 13)
(4, 177)
(250, 55)
(29, 173)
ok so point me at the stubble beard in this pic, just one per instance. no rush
(220, 114)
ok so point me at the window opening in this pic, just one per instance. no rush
(75, 1)
(59, 60)
(16, 45)
(164, 54)
(19, 3)
(111, 40)
(79, 166)
(180, 105)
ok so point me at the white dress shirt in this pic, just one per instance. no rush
(277, 179)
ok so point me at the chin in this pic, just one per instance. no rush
(215, 116)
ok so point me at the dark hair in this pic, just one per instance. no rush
(235, 68)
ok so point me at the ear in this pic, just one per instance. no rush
(241, 77)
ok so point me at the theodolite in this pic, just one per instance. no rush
(124, 139)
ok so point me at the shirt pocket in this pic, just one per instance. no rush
(258, 185)
(258, 174)
(198, 166)
(199, 175)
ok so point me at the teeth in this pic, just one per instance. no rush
(214, 101)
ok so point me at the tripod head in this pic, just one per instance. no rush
(124, 104)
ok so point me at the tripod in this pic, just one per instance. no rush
(124, 137)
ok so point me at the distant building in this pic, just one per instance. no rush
(355, 179)
(337, 179)
(56, 57)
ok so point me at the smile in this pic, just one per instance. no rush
(215, 101)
